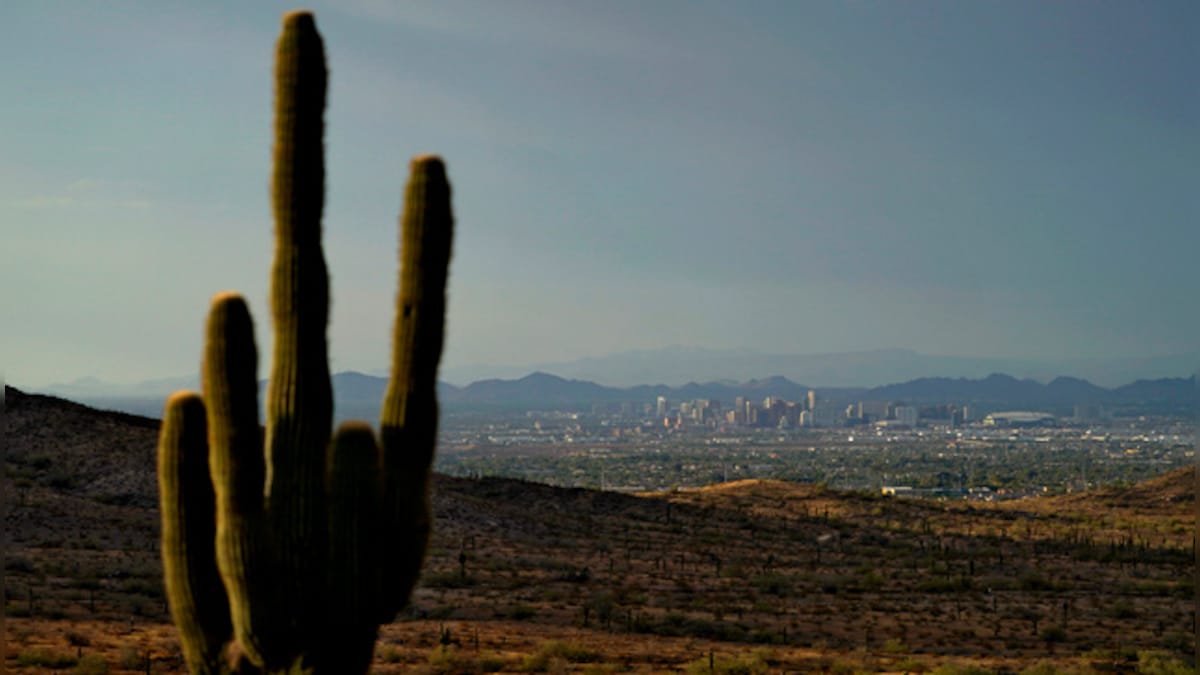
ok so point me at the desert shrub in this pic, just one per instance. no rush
(389, 654)
(571, 652)
(144, 587)
(441, 612)
(776, 584)
(540, 663)
(1053, 634)
(491, 662)
(1042, 668)
(1121, 609)
(77, 639)
(1162, 663)
(20, 565)
(451, 661)
(55, 614)
(130, 659)
(728, 665)
(951, 668)
(447, 580)
(841, 667)
(871, 581)
(1034, 581)
(59, 479)
(46, 659)
(735, 570)
(1178, 641)
(603, 604)
(910, 664)
(90, 583)
(91, 664)
(521, 612)
(835, 583)
(943, 585)
(895, 646)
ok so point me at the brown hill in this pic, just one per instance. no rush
(80, 451)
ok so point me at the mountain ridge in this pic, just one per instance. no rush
(676, 365)
(358, 395)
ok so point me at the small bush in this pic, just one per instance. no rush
(130, 659)
(1178, 641)
(895, 646)
(751, 664)
(540, 663)
(1121, 609)
(960, 669)
(20, 565)
(15, 609)
(1161, 663)
(447, 580)
(1051, 634)
(521, 612)
(46, 659)
(571, 652)
(1042, 668)
(910, 664)
(389, 654)
(449, 660)
(775, 584)
(92, 664)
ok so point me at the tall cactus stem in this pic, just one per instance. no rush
(408, 424)
(299, 395)
(355, 569)
(193, 585)
(238, 470)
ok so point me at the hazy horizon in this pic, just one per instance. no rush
(679, 365)
(1005, 180)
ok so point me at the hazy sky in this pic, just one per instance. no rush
(991, 178)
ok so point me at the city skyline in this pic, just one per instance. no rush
(985, 179)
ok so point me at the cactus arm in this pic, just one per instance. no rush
(408, 424)
(355, 492)
(193, 585)
(299, 396)
(237, 468)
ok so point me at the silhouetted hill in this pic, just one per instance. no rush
(676, 365)
(533, 389)
(77, 450)
(1170, 395)
(1175, 390)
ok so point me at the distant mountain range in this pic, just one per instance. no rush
(678, 365)
(358, 395)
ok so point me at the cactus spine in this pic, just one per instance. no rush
(286, 550)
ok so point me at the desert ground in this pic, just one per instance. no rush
(752, 576)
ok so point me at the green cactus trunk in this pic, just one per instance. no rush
(299, 393)
(298, 578)
(198, 605)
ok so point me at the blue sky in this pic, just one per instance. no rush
(993, 178)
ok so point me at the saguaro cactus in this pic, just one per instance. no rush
(286, 551)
